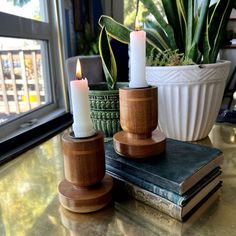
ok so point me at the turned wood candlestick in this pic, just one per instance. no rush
(138, 118)
(85, 188)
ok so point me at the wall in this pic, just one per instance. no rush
(92, 13)
(70, 35)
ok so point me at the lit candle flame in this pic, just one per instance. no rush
(137, 25)
(78, 69)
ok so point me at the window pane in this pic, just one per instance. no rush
(23, 73)
(32, 9)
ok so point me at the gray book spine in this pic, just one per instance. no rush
(168, 207)
(152, 200)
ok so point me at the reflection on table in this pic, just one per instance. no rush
(30, 206)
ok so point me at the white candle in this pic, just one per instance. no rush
(82, 125)
(137, 58)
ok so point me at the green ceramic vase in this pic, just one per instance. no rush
(105, 110)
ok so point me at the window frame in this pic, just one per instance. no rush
(16, 26)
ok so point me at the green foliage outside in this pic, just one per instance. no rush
(143, 13)
(19, 3)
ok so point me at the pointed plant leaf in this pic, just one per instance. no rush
(155, 39)
(219, 20)
(206, 45)
(190, 24)
(115, 29)
(155, 26)
(201, 21)
(193, 52)
(172, 14)
(108, 59)
(176, 20)
(149, 4)
(120, 32)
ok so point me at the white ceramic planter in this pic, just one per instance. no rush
(189, 98)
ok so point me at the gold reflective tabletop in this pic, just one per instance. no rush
(29, 200)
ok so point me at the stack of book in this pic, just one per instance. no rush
(176, 183)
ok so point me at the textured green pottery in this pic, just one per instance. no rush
(105, 110)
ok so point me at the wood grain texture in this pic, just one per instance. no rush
(139, 148)
(138, 118)
(84, 159)
(138, 111)
(85, 199)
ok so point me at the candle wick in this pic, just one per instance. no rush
(137, 7)
(137, 28)
(80, 77)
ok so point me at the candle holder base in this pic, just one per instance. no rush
(85, 199)
(137, 148)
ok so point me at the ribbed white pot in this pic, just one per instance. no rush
(189, 98)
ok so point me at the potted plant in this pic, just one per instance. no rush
(189, 96)
(104, 97)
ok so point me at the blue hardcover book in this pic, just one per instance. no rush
(177, 170)
(171, 196)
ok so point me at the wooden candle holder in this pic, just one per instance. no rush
(85, 188)
(138, 118)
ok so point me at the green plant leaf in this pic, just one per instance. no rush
(155, 26)
(197, 30)
(115, 29)
(156, 40)
(206, 45)
(122, 33)
(193, 51)
(175, 19)
(149, 4)
(218, 20)
(190, 24)
(108, 59)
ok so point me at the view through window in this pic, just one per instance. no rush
(24, 70)
(143, 14)
(23, 73)
(31, 9)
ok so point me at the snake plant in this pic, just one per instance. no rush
(108, 59)
(197, 30)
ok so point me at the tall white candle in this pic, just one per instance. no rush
(82, 125)
(137, 58)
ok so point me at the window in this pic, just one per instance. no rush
(24, 75)
(32, 89)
